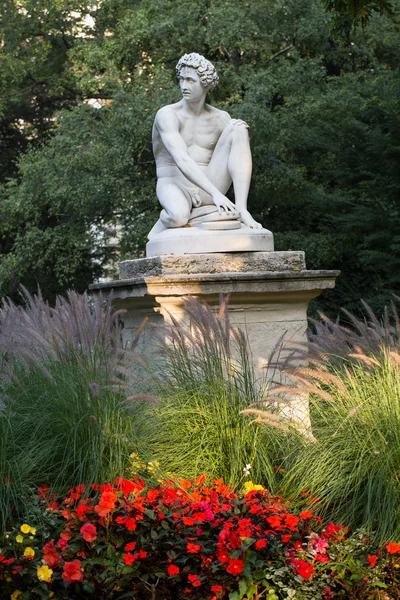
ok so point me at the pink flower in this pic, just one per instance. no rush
(89, 532)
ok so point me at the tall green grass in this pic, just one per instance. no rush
(354, 465)
(208, 378)
(64, 418)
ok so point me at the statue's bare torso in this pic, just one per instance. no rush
(200, 134)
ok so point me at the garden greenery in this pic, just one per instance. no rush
(75, 412)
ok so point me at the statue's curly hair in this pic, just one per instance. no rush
(205, 69)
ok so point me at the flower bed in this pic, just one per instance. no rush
(189, 540)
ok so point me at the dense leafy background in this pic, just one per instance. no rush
(322, 104)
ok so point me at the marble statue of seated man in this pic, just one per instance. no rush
(200, 151)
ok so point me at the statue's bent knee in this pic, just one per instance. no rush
(178, 220)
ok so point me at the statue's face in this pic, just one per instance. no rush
(192, 89)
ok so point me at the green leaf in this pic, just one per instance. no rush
(242, 587)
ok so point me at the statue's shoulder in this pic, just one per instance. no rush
(221, 115)
(167, 114)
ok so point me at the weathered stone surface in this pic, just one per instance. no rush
(269, 296)
(213, 263)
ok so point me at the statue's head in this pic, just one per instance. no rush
(205, 70)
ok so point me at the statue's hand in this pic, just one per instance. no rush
(224, 205)
(239, 123)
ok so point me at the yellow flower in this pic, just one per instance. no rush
(25, 528)
(19, 539)
(44, 573)
(32, 530)
(15, 595)
(250, 486)
(153, 466)
(29, 552)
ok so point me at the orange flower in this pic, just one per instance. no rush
(307, 514)
(393, 548)
(106, 504)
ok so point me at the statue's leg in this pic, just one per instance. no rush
(176, 204)
(231, 163)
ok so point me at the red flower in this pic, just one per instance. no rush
(302, 568)
(372, 560)
(222, 556)
(130, 546)
(291, 521)
(216, 589)
(327, 594)
(393, 548)
(66, 534)
(129, 486)
(130, 524)
(274, 521)
(286, 537)
(194, 580)
(62, 544)
(322, 558)
(72, 571)
(173, 570)
(260, 544)
(82, 509)
(235, 566)
(44, 492)
(193, 548)
(129, 558)
(307, 514)
(51, 556)
(89, 532)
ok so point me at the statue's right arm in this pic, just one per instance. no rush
(167, 124)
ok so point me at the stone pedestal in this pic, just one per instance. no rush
(213, 238)
(269, 293)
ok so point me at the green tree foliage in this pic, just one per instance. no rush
(324, 122)
(348, 14)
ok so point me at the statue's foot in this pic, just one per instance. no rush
(248, 220)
